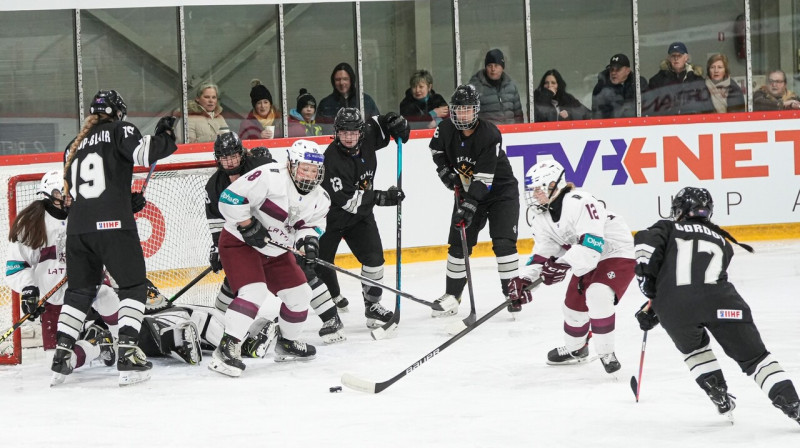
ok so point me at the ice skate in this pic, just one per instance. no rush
(257, 347)
(341, 303)
(376, 314)
(63, 361)
(132, 363)
(514, 309)
(227, 358)
(562, 356)
(331, 331)
(288, 350)
(105, 341)
(720, 397)
(610, 362)
(792, 410)
(189, 350)
(449, 304)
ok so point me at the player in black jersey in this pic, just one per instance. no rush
(101, 230)
(469, 157)
(682, 268)
(350, 166)
(233, 161)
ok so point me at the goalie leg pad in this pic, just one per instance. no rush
(210, 324)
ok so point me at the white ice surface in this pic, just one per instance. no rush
(490, 389)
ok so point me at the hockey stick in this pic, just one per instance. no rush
(390, 327)
(149, 175)
(42, 300)
(370, 387)
(636, 386)
(370, 281)
(469, 320)
(189, 285)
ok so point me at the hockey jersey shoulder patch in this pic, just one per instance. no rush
(231, 198)
(593, 242)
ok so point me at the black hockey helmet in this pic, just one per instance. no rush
(109, 102)
(349, 119)
(261, 151)
(465, 98)
(229, 144)
(692, 202)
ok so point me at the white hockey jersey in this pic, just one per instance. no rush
(43, 267)
(269, 194)
(585, 234)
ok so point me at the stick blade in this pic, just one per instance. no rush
(389, 331)
(355, 383)
(635, 388)
(455, 327)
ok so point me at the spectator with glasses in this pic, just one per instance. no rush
(774, 95)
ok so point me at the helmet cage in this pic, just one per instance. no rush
(547, 176)
(349, 119)
(464, 107)
(304, 152)
(229, 144)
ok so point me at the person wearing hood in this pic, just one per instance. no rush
(302, 119)
(678, 87)
(500, 103)
(551, 102)
(774, 95)
(205, 115)
(264, 120)
(345, 94)
(614, 95)
(422, 107)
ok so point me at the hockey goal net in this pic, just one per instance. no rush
(172, 228)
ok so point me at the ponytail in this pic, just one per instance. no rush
(90, 121)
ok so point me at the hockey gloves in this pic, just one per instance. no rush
(165, 126)
(29, 299)
(396, 126)
(647, 318)
(647, 285)
(465, 212)
(213, 258)
(254, 234)
(310, 246)
(449, 177)
(519, 291)
(138, 202)
(390, 197)
(553, 271)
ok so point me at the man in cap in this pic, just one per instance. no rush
(500, 103)
(678, 87)
(614, 95)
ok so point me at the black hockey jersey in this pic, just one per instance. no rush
(101, 172)
(348, 179)
(216, 184)
(479, 158)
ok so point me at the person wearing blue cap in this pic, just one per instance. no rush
(678, 87)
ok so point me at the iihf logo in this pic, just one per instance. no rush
(729, 314)
(611, 275)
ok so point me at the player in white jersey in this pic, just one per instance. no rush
(573, 230)
(284, 204)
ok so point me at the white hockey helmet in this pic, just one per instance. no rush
(51, 181)
(305, 163)
(546, 176)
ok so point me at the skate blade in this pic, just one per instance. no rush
(57, 379)
(133, 377)
(574, 362)
(343, 309)
(221, 367)
(375, 323)
(333, 338)
(292, 358)
(446, 313)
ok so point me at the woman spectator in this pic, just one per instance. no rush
(724, 94)
(205, 115)
(264, 120)
(422, 107)
(551, 102)
(302, 119)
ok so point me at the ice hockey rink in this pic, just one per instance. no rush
(492, 388)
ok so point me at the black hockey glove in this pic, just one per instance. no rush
(553, 271)
(519, 291)
(166, 126)
(138, 201)
(647, 319)
(254, 234)
(390, 197)
(29, 299)
(647, 285)
(397, 126)
(310, 246)
(213, 258)
(465, 212)
(449, 178)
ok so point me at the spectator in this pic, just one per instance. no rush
(614, 95)
(724, 95)
(774, 95)
(345, 94)
(551, 102)
(264, 120)
(302, 119)
(205, 115)
(500, 103)
(422, 107)
(677, 88)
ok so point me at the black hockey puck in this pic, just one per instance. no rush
(335, 389)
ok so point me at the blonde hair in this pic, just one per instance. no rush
(88, 124)
(204, 86)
